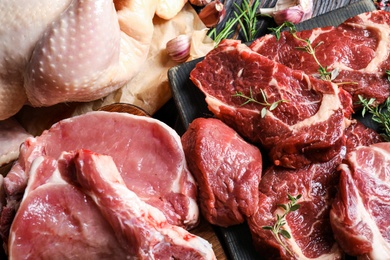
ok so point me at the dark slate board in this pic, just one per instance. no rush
(190, 103)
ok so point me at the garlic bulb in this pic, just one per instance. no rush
(179, 48)
(213, 13)
(293, 11)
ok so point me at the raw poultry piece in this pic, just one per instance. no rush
(226, 168)
(12, 135)
(147, 152)
(61, 51)
(360, 214)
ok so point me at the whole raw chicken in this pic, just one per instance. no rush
(54, 51)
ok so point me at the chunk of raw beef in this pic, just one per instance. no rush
(227, 169)
(148, 154)
(308, 127)
(141, 229)
(359, 49)
(309, 226)
(360, 214)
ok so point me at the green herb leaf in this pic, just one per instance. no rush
(285, 233)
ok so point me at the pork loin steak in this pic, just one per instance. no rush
(148, 154)
(56, 220)
(359, 49)
(360, 214)
(227, 168)
(80, 207)
(307, 128)
(309, 226)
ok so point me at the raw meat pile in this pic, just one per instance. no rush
(103, 184)
(332, 166)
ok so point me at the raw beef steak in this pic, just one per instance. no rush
(359, 49)
(309, 226)
(360, 214)
(148, 154)
(308, 127)
(227, 169)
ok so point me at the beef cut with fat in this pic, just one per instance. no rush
(358, 49)
(148, 154)
(309, 226)
(308, 127)
(227, 169)
(360, 214)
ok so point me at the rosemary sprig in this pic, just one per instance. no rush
(266, 105)
(246, 15)
(388, 74)
(323, 71)
(249, 21)
(380, 113)
(277, 229)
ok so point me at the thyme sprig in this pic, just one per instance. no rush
(388, 74)
(380, 113)
(266, 105)
(308, 47)
(246, 15)
(277, 229)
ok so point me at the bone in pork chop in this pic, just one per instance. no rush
(308, 127)
(58, 221)
(141, 229)
(359, 49)
(148, 154)
(226, 168)
(360, 212)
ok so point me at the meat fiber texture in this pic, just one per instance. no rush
(147, 153)
(358, 49)
(360, 212)
(310, 226)
(308, 127)
(227, 169)
(79, 207)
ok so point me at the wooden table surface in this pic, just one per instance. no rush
(206, 230)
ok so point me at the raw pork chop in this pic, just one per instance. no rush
(360, 214)
(226, 168)
(309, 226)
(141, 229)
(359, 48)
(58, 221)
(307, 128)
(148, 154)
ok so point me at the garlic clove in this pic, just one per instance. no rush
(212, 14)
(293, 11)
(292, 14)
(178, 48)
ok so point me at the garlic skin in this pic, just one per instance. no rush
(212, 14)
(294, 11)
(200, 2)
(178, 48)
